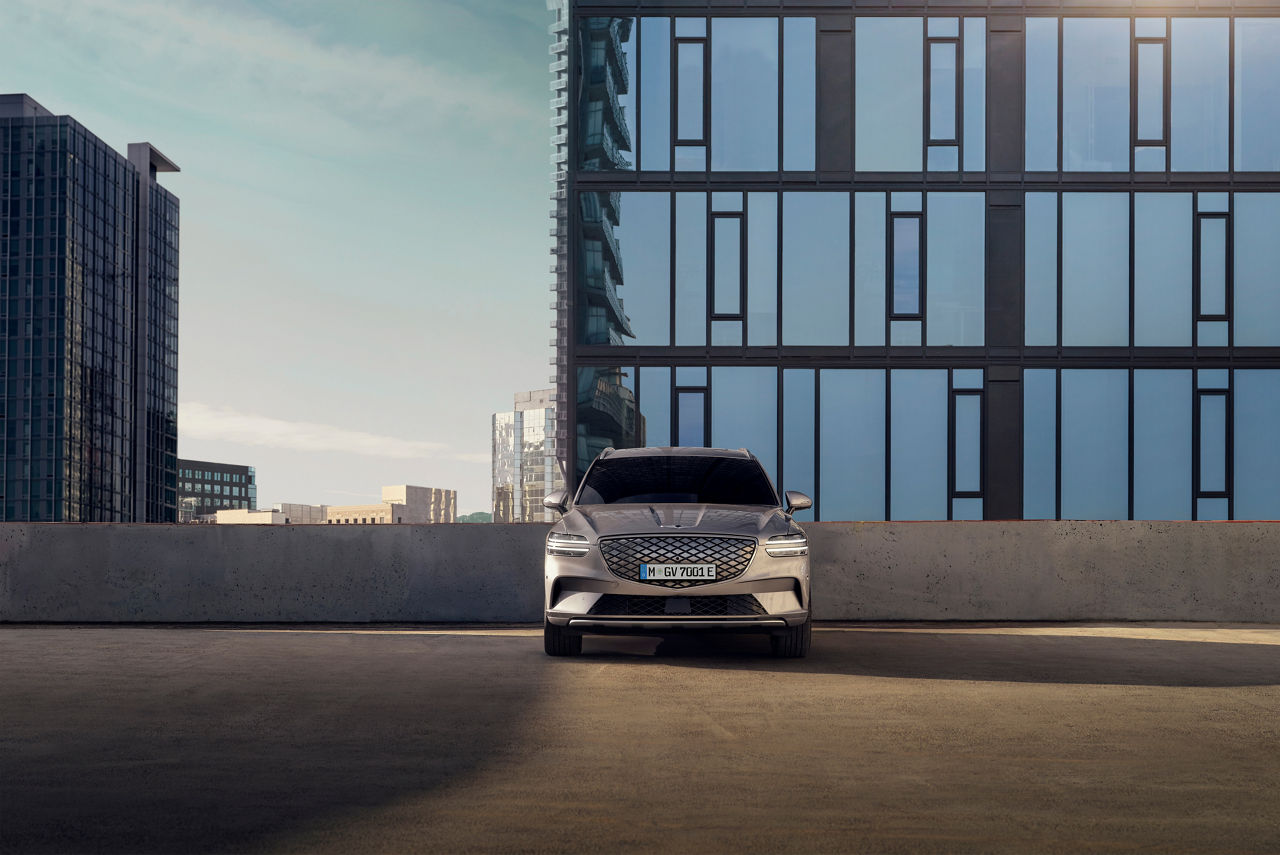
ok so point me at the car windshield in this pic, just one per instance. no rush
(679, 479)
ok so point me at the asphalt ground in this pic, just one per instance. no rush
(888, 738)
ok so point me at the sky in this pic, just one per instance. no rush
(364, 193)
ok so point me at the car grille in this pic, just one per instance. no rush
(737, 605)
(624, 555)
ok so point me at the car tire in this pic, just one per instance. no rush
(559, 641)
(793, 642)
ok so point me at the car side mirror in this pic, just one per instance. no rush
(558, 501)
(797, 501)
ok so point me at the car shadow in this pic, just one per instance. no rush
(976, 653)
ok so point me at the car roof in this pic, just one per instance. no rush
(678, 451)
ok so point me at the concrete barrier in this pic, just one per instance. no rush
(862, 571)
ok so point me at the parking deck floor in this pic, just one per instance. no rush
(889, 738)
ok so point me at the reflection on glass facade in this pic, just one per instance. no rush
(937, 266)
(88, 301)
(524, 464)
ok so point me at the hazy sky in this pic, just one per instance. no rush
(364, 241)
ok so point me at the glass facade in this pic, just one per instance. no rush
(88, 308)
(933, 266)
(525, 468)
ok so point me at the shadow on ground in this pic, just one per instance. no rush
(971, 655)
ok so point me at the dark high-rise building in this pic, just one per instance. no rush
(89, 305)
(205, 488)
(937, 261)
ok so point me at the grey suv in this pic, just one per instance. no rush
(659, 540)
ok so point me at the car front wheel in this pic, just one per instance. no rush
(793, 642)
(558, 641)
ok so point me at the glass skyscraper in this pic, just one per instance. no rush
(524, 462)
(89, 306)
(978, 262)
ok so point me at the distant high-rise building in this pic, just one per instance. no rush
(88, 324)
(524, 458)
(205, 488)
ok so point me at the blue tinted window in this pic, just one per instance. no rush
(655, 406)
(889, 98)
(1095, 94)
(1256, 486)
(1213, 378)
(691, 419)
(918, 448)
(1095, 444)
(601, 319)
(691, 27)
(1041, 288)
(975, 94)
(853, 445)
(1042, 95)
(905, 333)
(966, 378)
(1212, 509)
(906, 266)
(815, 268)
(1213, 443)
(1211, 334)
(1258, 94)
(692, 375)
(644, 243)
(606, 414)
(1199, 95)
(691, 268)
(868, 268)
(744, 412)
(1150, 94)
(727, 240)
(762, 268)
(607, 107)
(1162, 269)
(1213, 266)
(689, 90)
(968, 444)
(1162, 445)
(1039, 439)
(1095, 269)
(744, 94)
(799, 93)
(966, 509)
(1257, 258)
(956, 268)
(655, 93)
(798, 434)
(942, 91)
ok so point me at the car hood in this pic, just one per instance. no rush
(609, 520)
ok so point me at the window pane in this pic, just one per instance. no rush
(918, 450)
(762, 268)
(942, 91)
(606, 414)
(967, 378)
(968, 448)
(727, 238)
(815, 268)
(1095, 269)
(868, 268)
(943, 158)
(1212, 509)
(1213, 266)
(906, 266)
(1257, 94)
(1095, 444)
(1042, 95)
(944, 28)
(905, 333)
(1162, 269)
(691, 158)
(1213, 443)
(1200, 95)
(644, 242)
(1041, 288)
(689, 91)
(853, 444)
(744, 94)
(691, 268)
(655, 93)
(1256, 485)
(957, 266)
(798, 434)
(1162, 445)
(1150, 91)
(607, 106)
(966, 509)
(1211, 334)
(889, 97)
(1095, 94)
(726, 333)
(600, 317)
(799, 93)
(975, 94)
(1257, 258)
(690, 417)
(691, 27)
(744, 412)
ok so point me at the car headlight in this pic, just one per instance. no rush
(572, 545)
(787, 545)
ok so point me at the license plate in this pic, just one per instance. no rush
(677, 572)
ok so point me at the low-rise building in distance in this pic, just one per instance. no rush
(401, 504)
(204, 488)
(524, 458)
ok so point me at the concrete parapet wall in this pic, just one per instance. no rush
(1032, 570)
